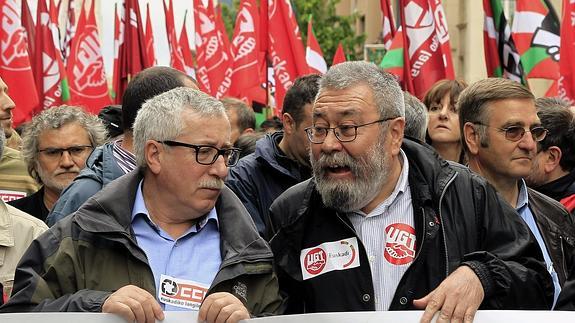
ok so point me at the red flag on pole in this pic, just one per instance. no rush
(286, 49)
(246, 51)
(443, 35)
(313, 52)
(131, 49)
(86, 66)
(186, 50)
(566, 82)
(205, 29)
(388, 30)
(15, 67)
(50, 81)
(424, 56)
(70, 28)
(339, 56)
(220, 67)
(118, 48)
(149, 35)
(176, 59)
(29, 26)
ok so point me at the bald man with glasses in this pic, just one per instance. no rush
(385, 224)
(501, 129)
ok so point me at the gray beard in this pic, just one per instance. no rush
(370, 173)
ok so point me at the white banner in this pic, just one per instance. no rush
(355, 317)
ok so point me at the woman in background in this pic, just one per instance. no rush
(443, 132)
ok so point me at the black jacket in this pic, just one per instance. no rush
(562, 190)
(557, 229)
(262, 176)
(459, 220)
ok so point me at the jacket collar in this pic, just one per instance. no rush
(6, 227)
(113, 206)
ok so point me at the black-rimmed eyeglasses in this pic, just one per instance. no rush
(516, 133)
(343, 133)
(74, 151)
(207, 155)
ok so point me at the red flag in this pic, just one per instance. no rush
(186, 50)
(388, 30)
(394, 60)
(70, 28)
(15, 67)
(86, 66)
(220, 69)
(339, 56)
(51, 82)
(132, 51)
(313, 52)
(443, 35)
(28, 24)
(246, 78)
(566, 82)
(118, 47)
(176, 59)
(150, 52)
(424, 55)
(205, 29)
(286, 49)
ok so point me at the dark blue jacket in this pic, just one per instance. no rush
(101, 169)
(260, 177)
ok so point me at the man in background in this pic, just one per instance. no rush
(56, 144)
(242, 118)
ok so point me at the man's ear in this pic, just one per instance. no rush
(289, 124)
(247, 131)
(471, 138)
(152, 152)
(395, 133)
(552, 159)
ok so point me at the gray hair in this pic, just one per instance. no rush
(416, 117)
(475, 99)
(160, 118)
(387, 93)
(2, 142)
(56, 118)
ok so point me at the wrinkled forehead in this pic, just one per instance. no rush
(342, 103)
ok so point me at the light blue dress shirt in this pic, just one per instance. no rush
(523, 209)
(195, 256)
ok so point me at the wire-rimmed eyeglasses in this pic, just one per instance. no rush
(516, 133)
(343, 133)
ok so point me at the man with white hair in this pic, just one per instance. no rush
(384, 224)
(167, 236)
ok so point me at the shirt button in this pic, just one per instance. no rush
(366, 297)
(371, 258)
(431, 224)
(403, 300)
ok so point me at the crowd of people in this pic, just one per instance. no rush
(360, 198)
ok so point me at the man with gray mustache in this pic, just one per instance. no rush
(167, 236)
(385, 224)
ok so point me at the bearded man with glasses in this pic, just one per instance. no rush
(501, 129)
(167, 236)
(385, 224)
(55, 146)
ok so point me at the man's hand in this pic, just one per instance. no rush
(222, 307)
(457, 298)
(134, 304)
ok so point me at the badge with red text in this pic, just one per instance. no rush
(181, 293)
(329, 256)
(399, 244)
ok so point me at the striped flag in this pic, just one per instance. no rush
(393, 61)
(501, 56)
(313, 53)
(535, 31)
